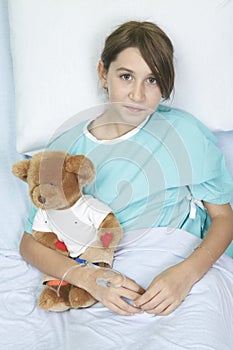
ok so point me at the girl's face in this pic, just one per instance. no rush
(130, 82)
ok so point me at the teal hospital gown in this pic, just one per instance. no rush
(156, 174)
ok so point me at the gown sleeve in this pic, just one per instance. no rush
(211, 180)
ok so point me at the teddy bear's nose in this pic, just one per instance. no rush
(41, 199)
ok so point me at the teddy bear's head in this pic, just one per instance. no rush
(55, 178)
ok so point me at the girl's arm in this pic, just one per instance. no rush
(55, 264)
(216, 241)
(169, 288)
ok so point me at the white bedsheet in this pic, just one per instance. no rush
(203, 321)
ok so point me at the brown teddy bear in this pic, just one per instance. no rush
(68, 221)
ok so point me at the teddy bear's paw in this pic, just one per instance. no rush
(79, 298)
(50, 301)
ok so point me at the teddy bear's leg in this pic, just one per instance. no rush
(79, 298)
(46, 238)
(50, 301)
(50, 240)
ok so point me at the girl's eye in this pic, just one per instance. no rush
(126, 76)
(151, 80)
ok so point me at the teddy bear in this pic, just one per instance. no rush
(68, 221)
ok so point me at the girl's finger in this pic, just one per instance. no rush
(154, 303)
(146, 297)
(158, 309)
(169, 309)
(118, 310)
(133, 286)
(129, 294)
(121, 307)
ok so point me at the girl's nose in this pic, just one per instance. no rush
(137, 93)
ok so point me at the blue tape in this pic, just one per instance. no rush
(83, 261)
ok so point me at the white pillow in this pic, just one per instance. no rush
(56, 45)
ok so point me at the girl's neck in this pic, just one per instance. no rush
(102, 128)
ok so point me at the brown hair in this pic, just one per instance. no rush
(154, 46)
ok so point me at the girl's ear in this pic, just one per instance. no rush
(102, 74)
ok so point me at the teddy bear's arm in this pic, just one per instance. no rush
(109, 235)
(110, 232)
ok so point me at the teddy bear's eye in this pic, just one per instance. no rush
(51, 183)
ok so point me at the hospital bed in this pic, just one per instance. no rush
(38, 93)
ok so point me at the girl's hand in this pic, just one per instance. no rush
(166, 291)
(109, 287)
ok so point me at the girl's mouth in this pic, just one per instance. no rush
(134, 109)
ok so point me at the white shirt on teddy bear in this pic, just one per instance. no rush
(77, 226)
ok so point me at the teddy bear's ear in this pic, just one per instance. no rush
(82, 167)
(20, 169)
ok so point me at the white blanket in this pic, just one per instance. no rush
(203, 321)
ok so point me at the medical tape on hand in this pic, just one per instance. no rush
(104, 282)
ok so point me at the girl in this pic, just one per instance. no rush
(134, 137)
